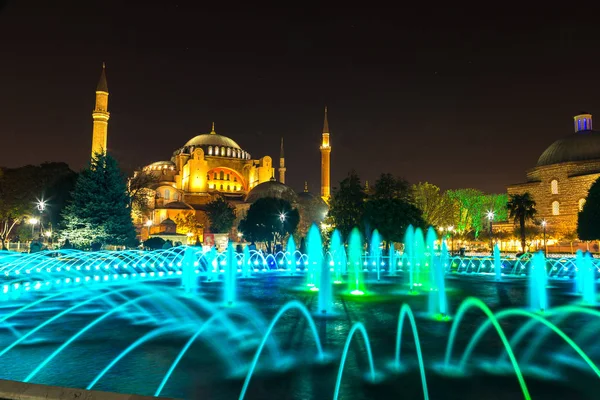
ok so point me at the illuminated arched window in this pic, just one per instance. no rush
(215, 176)
(581, 203)
(239, 153)
(223, 151)
(210, 150)
(228, 177)
(221, 187)
(555, 208)
(554, 186)
(229, 152)
(167, 194)
(228, 188)
(221, 175)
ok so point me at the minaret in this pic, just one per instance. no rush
(325, 161)
(281, 164)
(100, 115)
(305, 187)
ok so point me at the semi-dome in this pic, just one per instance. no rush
(580, 146)
(272, 189)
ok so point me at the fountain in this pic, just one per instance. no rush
(419, 257)
(212, 265)
(229, 286)
(325, 298)
(497, 263)
(538, 279)
(336, 248)
(409, 243)
(290, 255)
(430, 240)
(580, 265)
(589, 280)
(392, 259)
(438, 303)
(246, 263)
(375, 252)
(355, 275)
(314, 256)
(189, 280)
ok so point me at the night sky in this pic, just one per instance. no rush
(457, 97)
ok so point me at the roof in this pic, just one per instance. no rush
(102, 85)
(212, 139)
(272, 189)
(580, 146)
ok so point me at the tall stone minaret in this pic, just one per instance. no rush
(281, 164)
(100, 115)
(325, 161)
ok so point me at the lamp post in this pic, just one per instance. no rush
(41, 207)
(282, 219)
(544, 223)
(33, 222)
(490, 217)
(148, 224)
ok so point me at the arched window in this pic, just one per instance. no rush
(221, 175)
(581, 203)
(227, 176)
(167, 194)
(229, 152)
(555, 208)
(210, 150)
(238, 153)
(223, 151)
(554, 186)
(228, 188)
(215, 176)
(221, 187)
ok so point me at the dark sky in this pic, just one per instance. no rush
(458, 97)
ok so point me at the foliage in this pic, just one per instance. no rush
(139, 188)
(313, 211)
(521, 208)
(221, 215)
(588, 219)
(347, 205)
(390, 210)
(154, 243)
(187, 222)
(437, 207)
(99, 211)
(20, 188)
(469, 210)
(389, 187)
(263, 223)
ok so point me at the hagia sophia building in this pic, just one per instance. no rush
(210, 165)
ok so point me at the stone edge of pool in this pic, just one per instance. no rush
(10, 390)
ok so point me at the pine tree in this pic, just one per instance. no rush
(588, 220)
(99, 211)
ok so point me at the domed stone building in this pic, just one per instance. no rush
(560, 181)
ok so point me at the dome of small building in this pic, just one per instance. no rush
(272, 189)
(581, 146)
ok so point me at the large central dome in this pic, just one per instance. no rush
(580, 146)
(212, 139)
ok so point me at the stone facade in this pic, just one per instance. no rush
(560, 182)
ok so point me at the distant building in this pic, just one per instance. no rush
(560, 181)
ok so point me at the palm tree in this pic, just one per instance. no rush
(522, 209)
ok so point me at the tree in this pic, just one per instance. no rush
(469, 210)
(312, 211)
(588, 219)
(389, 209)
(390, 187)
(269, 219)
(139, 188)
(347, 205)
(221, 215)
(521, 208)
(187, 223)
(437, 208)
(100, 208)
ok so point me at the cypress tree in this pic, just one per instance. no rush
(99, 211)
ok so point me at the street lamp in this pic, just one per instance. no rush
(544, 223)
(33, 222)
(490, 217)
(148, 224)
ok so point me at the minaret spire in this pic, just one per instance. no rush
(325, 161)
(305, 187)
(212, 131)
(100, 115)
(281, 164)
